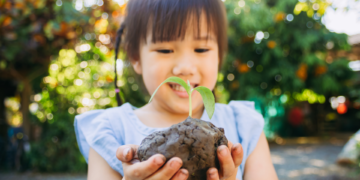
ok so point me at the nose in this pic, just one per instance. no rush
(184, 66)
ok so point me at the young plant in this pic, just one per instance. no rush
(206, 94)
(195, 141)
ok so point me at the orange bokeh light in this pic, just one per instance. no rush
(341, 109)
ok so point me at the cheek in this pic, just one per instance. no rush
(153, 75)
(210, 72)
(212, 77)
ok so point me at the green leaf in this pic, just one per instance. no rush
(208, 98)
(174, 80)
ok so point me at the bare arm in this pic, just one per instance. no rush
(259, 166)
(98, 168)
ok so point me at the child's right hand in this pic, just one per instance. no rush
(150, 169)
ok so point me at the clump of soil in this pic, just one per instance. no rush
(194, 141)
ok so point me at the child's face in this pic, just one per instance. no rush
(196, 60)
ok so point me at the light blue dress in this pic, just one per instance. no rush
(106, 130)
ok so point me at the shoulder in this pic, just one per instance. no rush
(89, 115)
(250, 123)
(246, 111)
(101, 130)
(103, 122)
(243, 116)
(241, 112)
(102, 117)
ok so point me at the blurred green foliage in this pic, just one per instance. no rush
(61, 54)
(76, 83)
(277, 49)
(32, 31)
(80, 78)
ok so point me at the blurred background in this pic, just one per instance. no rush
(299, 60)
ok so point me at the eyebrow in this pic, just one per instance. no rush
(201, 38)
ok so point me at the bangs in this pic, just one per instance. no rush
(167, 20)
(171, 21)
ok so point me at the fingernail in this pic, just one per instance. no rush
(183, 174)
(213, 173)
(223, 151)
(159, 161)
(237, 149)
(126, 152)
(213, 176)
(175, 164)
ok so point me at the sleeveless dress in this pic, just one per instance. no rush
(105, 130)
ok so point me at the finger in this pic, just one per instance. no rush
(212, 174)
(230, 144)
(144, 169)
(126, 153)
(237, 154)
(227, 166)
(169, 169)
(182, 174)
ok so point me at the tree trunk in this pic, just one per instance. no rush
(8, 90)
(3, 122)
(25, 102)
(3, 132)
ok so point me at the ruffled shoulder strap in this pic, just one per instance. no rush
(94, 129)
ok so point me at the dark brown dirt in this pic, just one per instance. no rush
(194, 141)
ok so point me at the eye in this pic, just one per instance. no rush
(165, 51)
(201, 50)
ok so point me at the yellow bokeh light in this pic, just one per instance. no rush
(70, 53)
(66, 62)
(87, 95)
(62, 53)
(310, 7)
(310, 96)
(96, 94)
(16, 119)
(101, 26)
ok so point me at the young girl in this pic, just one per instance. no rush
(164, 38)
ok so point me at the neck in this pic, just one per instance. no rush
(171, 114)
(164, 117)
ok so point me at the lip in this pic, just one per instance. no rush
(193, 85)
(181, 94)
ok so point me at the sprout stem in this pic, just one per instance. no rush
(190, 108)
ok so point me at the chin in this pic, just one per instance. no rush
(181, 108)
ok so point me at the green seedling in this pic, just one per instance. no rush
(184, 139)
(206, 94)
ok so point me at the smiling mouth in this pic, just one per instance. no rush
(177, 87)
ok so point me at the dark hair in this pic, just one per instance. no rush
(167, 20)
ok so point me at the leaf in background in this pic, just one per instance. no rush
(174, 80)
(48, 29)
(208, 99)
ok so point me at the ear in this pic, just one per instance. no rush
(137, 66)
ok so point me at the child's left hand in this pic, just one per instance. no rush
(229, 162)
